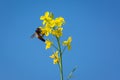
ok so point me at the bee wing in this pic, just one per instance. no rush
(34, 35)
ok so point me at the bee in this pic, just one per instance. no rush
(38, 34)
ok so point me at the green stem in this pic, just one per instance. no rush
(60, 63)
(63, 49)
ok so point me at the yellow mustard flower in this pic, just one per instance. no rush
(68, 43)
(46, 30)
(48, 44)
(52, 23)
(55, 57)
(59, 21)
(57, 32)
(46, 18)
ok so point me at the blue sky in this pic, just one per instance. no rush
(93, 24)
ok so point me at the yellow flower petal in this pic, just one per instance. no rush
(46, 30)
(48, 44)
(46, 18)
(59, 21)
(52, 23)
(68, 43)
(70, 39)
(55, 57)
(57, 32)
(55, 61)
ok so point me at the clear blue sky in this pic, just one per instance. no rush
(93, 24)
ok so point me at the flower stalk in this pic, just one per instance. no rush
(60, 62)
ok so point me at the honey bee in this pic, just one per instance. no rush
(38, 34)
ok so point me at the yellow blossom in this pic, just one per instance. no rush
(59, 21)
(68, 43)
(48, 44)
(57, 32)
(46, 30)
(46, 18)
(55, 57)
(52, 23)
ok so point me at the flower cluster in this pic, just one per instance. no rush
(53, 26)
(68, 43)
(55, 57)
